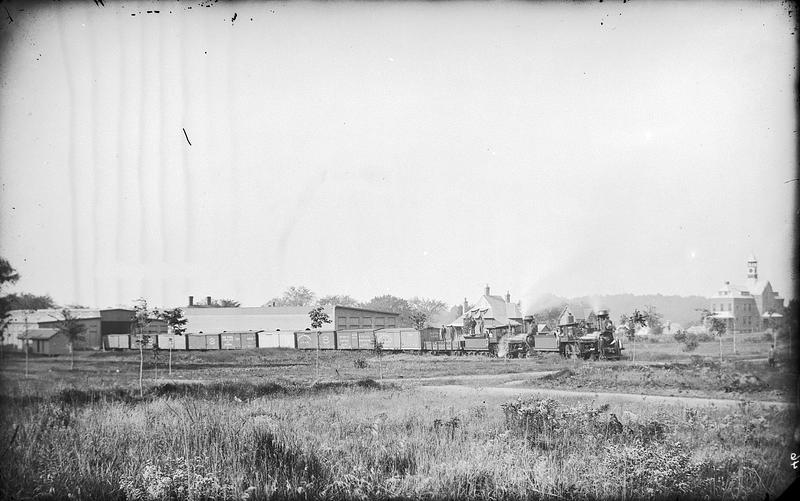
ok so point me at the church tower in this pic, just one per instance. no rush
(752, 268)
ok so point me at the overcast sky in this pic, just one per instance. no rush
(406, 148)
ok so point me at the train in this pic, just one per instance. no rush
(397, 340)
(588, 340)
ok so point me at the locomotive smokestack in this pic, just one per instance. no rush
(191, 300)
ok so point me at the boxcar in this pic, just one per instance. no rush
(366, 340)
(389, 339)
(230, 341)
(196, 341)
(276, 339)
(307, 340)
(212, 341)
(346, 340)
(147, 341)
(167, 341)
(267, 340)
(249, 340)
(118, 341)
(410, 339)
(203, 341)
(351, 339)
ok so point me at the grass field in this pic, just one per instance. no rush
(262, 425)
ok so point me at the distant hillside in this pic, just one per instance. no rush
(680, 309)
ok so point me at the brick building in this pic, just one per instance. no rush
(749, 307)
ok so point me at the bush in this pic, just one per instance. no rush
(690, 342)
(679, 336)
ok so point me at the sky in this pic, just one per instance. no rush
(415, 149)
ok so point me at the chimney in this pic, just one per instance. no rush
(486, 290)
(191, 300)
(208, 300)
(466, 307)
(508, 297)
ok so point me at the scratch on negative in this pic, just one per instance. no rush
(187, 137)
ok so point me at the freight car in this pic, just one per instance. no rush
(311, 340)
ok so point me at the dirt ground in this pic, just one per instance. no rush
(740, 376)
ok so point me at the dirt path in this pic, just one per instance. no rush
(519, 376)
(617, 397)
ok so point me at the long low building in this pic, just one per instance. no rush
(209, 319)
(97, 323)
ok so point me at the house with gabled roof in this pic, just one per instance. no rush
(494, 316)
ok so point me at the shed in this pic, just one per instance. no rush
(46, 341)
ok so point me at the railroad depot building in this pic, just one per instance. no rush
(748, 307)
(494, 316)
(211, 319)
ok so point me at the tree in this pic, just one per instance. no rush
(141, 319)
(419, 319)
(225, 303)
(73, 330)
(654, 321)
(550, 315)
(338, 300)
(176, 323)
(429, 306)
(25, 301)
(715, 326)
(318, 318)
(8, 275)
(392, 304)
(294, 296)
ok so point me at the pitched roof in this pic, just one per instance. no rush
(732, 290)
(266, 318)
(496, 307)
(50, 315)
(757, 286)
(39, 334)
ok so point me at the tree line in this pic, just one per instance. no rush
(417, 312)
